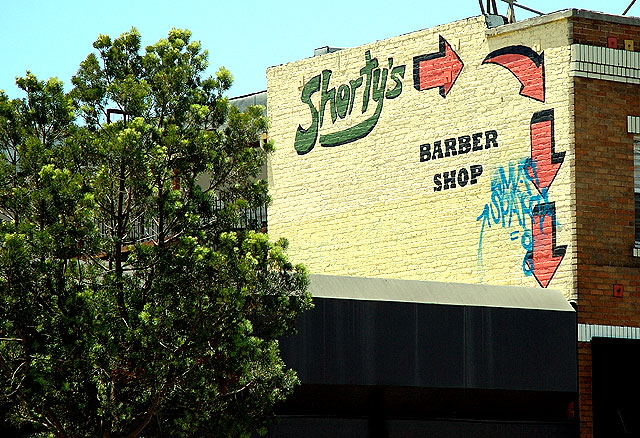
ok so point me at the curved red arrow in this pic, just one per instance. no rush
(545, 255)
(545, 160)
(437, 70)
(525, 64)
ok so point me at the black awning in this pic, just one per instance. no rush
(401, 333)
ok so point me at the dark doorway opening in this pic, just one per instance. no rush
(616, 387)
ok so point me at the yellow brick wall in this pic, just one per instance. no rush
(369, 208)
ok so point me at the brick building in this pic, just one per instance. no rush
(481, 173)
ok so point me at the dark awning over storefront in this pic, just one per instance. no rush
(394, 358)
(366, 331)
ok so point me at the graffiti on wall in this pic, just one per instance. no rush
(520, 195)
(542, 254)
(512, 203)
(519, 199)
(545, 255)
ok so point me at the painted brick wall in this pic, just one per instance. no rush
(371, 207)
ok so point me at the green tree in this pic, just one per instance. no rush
(133, 301)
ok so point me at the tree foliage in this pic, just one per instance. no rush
(131, 301)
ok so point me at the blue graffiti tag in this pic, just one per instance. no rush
(513, 200)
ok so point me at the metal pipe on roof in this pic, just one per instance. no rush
(628, 7)
(526, 8)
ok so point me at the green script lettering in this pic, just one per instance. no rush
(306, 138)
(341, 103)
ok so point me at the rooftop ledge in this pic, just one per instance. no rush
(562, 15)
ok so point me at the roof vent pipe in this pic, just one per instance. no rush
(324, 50)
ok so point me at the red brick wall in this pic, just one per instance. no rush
(585, 410)
(605, 211)
(596, 32)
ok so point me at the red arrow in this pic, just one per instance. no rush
(437, 70)
(545, 160)
(525, 64)
(545, 255)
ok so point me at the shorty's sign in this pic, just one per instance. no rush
(445, 146)
(370, 89)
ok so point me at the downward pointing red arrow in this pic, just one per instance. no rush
(545, 160)
(545, 255)
(525, 64)
(437, 70)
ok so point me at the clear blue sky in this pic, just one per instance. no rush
(51, 38)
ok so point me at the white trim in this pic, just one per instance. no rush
(603, 63)
(588, 331)
(633, 124)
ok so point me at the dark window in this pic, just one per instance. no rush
(616, 385)
(636, 186)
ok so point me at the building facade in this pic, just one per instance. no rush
(479, 153)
